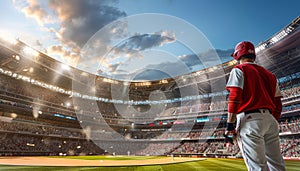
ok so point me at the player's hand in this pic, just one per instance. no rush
(230, 128)
(230, 134)
(230, 139)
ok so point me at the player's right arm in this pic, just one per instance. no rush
(235, 87)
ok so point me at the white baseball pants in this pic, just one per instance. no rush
(258, 139)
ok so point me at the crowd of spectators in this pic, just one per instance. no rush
(222, 105)
(48, 98)
(290, 126)
(201, 107)
(206, 134)
(291, 92)
(189, 147)
(221, 148)
(157, 149)
(207, 148)
(46, 130)
(215, 141)
(289, 82)
(28, 90)
(180, 135)
(31, 132)
(54, 140)
(290, 147)
(14, 144)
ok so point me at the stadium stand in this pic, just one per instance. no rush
(40, 114)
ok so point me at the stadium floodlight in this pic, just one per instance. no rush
(68, 104)
(9, 39)
(30, 144)
(232, 62)
(146, 83)
(212, 69)
(14, 75)
(84, 74)
(25, 69)
(283, 33)
(260, 47)
(65, 67)
(17, 57)
(69, 92)
(24, 78)
(13, 115)
(30, 52)
(110, 81)
(164, 81)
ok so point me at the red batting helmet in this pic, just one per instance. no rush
(243, 48)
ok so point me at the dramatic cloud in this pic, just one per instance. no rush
(79, 20)
(131, 48)
(72, 22)
(182, 65)
(145, 41)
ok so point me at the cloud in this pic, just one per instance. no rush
(35, 11)
(131, 48)
(71, 22)
(191, 60)
(67, 55)
(207, 58)
(79, 20)
(145, 41)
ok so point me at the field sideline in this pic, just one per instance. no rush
(209, 164)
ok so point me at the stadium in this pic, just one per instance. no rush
(50, 109)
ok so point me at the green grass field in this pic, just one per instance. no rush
(211, 164)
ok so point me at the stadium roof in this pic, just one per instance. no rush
(280, 54)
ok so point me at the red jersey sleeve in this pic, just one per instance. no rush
(234, 99)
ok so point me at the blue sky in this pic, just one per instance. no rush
(61, 28)
(225, 22)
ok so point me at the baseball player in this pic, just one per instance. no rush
(254, 103)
